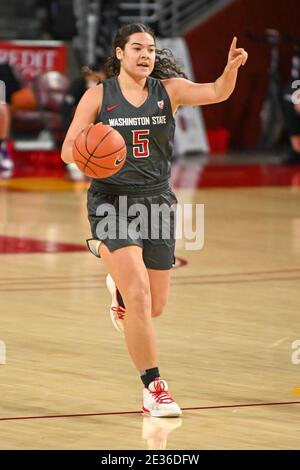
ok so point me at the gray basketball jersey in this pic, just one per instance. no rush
(148, 131)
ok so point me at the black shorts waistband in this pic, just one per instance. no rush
(146, 189)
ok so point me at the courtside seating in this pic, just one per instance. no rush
(49, 89)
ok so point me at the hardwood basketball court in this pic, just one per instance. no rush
(225, 340)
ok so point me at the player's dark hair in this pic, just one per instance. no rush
(165, 64)
(95, 67)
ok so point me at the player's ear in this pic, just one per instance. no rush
(119, 53)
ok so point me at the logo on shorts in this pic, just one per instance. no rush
(161, 104)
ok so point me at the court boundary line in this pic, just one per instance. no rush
(114, 413)
(189, 276)
(193, 282)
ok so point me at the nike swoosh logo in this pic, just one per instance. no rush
(117, 162)
(110, 108)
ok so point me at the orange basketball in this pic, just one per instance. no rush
(99, 151)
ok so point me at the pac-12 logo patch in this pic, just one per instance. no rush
(161, 104)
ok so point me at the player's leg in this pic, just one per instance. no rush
(159, 251)
(4, 121)
(159, 287)
(124, 259)
(127, 268)
(5, 161)
(158, 257)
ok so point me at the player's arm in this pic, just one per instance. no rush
(85, 114)
(185, 92)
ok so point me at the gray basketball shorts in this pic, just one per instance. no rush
(145, 221)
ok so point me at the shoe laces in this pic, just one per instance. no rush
(120, 311)
(160, 394)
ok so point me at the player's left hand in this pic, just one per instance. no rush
(237, 56)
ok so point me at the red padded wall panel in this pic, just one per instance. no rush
(209, 43)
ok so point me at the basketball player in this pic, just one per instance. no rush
(9, 84)
(143, 83)
(5, 161)
(291, 113)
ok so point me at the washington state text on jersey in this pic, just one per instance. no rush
(138, 121)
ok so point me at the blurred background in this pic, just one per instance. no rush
(252, 138)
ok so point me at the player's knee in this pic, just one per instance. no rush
(156, 312)
(138, 298)
(158, 308)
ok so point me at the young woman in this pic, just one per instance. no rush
(9, 84)
(140, 99)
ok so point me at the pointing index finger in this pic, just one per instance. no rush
(233, 43)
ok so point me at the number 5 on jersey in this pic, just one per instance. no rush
(140, 143)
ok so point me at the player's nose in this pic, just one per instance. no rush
(145, 54)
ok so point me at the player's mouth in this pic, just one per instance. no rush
(144, 65)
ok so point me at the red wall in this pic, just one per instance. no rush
(209, 44)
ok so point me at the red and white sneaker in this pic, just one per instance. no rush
(116, 311)
(157, 401)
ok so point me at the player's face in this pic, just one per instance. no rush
(138, 56)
